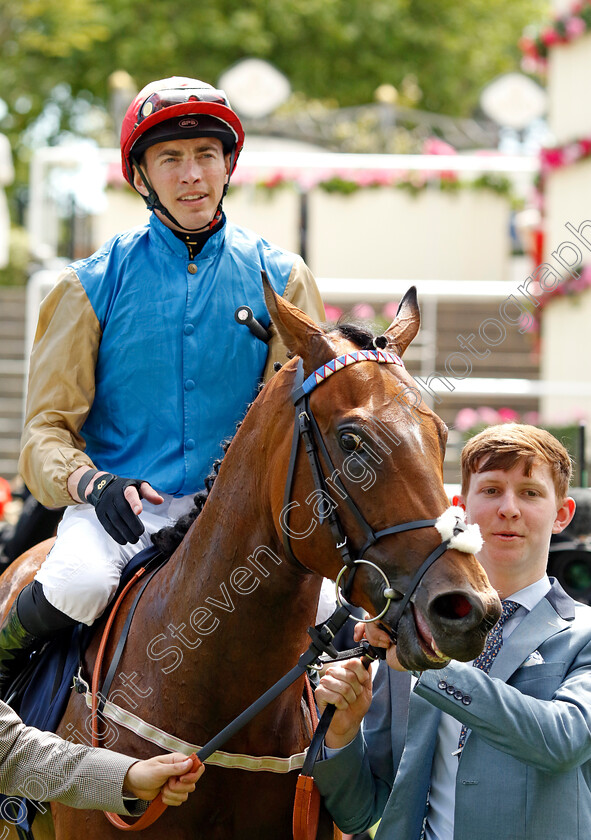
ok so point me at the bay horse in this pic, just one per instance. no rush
(228, 614)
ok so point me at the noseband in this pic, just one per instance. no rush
(306, 429)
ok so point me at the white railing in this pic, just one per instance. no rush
(341, 290)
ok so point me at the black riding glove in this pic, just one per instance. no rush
(113, 510)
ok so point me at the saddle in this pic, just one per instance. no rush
(41, 691)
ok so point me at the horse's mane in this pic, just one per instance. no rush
(168, 539)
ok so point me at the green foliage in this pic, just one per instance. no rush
(492, 181)
(339, 185)
(38, 40)
(16, 272)
(57, 55)
(332, 49)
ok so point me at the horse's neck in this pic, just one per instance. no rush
(230, 572)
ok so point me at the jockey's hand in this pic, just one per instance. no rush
(378, 638)
(117, 504)
(347, 686)
(170, 774)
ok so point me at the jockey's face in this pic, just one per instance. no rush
(189, 177)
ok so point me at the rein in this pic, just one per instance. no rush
(322, 637)
(306, 429)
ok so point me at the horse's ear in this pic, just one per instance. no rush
(299, 333)
(406, 324)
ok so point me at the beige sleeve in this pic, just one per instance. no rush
(302, 291)
(44, 767)
(60, 391)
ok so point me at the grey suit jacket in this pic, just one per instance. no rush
(525, 771)
(42, 767)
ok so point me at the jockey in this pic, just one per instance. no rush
(139, 369)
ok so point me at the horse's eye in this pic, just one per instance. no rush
(350, 441)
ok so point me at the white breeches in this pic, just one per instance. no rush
(82, 570)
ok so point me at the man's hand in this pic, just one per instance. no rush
(117, 501)
(378, 638)
(348, 687)
(167, 773)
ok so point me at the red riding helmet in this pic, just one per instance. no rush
(189, 108)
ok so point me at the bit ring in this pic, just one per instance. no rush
(389, 593)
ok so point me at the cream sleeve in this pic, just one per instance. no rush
(60, 391)
(302, 291)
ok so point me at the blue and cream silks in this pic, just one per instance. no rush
(168, 329)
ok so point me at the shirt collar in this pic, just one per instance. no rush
(531, 595)
(167, 236)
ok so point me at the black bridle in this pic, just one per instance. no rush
(306, 429)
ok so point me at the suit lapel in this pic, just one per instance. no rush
(537, 626)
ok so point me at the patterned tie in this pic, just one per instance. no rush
(494, 642)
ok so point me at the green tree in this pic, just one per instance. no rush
(37, 40)
(57, 55)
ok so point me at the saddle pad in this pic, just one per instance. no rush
(46, 695)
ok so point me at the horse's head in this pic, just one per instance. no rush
(375, 462)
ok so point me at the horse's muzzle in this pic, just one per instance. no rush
(452, 625)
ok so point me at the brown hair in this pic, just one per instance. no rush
(501, 447)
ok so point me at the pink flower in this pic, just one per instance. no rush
(532, 418)
(527, 46)
(333, 313)
(527, 323)
(530, 64)
(488, 415)
(435, 146)
(243, 176)
(550, 37)
(572, 152)
(274, 180)
(508, 415)
(363, 310)
(390, 309)
(575, 26)
(466, 419)
(552, 158)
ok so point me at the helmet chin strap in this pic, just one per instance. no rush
(153, 203)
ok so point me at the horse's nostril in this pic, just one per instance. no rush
(452, 606)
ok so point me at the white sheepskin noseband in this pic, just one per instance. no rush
(452, 526)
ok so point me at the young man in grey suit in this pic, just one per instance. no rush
(521, 767)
